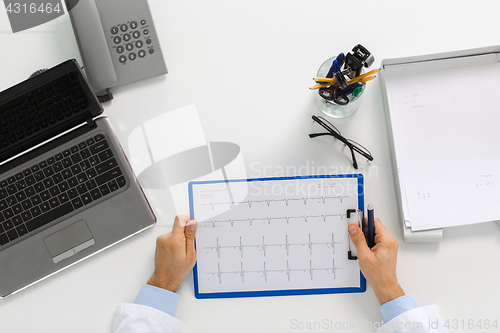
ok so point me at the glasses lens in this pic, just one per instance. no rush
(359, 150)
(320, 128)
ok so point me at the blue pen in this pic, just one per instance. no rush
(340, 59)
(371, 226)
(336, 65)
(334, 69)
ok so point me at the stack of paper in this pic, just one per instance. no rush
(445, 117)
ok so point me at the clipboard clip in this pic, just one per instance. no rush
(353, 216)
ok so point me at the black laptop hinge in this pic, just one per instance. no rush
(91, 123)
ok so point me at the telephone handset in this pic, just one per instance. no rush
(117, 41)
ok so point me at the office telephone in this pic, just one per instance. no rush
(117, 41)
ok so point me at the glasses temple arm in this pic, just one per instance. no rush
(359, 151)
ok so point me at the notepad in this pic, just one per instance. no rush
(445, 118)
(275, 236)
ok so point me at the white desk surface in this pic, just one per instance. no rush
(247, 67)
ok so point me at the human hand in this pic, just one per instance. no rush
(175, 254)
(378, 264)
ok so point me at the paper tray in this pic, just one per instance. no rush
(434, 235)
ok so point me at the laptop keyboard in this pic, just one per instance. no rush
(41, 108)
(57, 186)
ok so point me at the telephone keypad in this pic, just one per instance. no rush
(123, 33)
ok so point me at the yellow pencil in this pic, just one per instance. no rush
(327, 84)
(320, 85)
(324, 79)
(366, 79)
(356, 79)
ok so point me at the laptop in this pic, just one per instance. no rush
(67, 190)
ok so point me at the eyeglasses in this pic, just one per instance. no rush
(352, 145)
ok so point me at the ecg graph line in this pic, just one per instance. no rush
(264, 272)
(268, 202)
(265, 246)
(250, 221)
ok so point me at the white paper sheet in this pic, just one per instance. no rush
(446, 119)
(285, 234)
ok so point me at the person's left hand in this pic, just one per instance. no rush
(175, 254)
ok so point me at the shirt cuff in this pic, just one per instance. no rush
(158, 298)
(397, 306)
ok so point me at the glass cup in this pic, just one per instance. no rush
(332, 109)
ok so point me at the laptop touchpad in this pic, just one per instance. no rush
(69, 241)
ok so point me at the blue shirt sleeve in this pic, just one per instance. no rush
(158, 298)
(397, 306)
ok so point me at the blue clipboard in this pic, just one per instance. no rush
(284, 292)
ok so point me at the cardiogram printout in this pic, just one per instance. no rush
(275, 236)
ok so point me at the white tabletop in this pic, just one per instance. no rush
(247, 67)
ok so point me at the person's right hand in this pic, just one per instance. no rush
(378, 264)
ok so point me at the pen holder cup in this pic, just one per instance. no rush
(332, 109)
